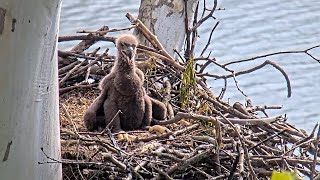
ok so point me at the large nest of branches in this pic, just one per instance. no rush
(206, 138)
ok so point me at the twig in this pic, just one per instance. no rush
(109, 124)
(86, 37)
(110, 158)
(102, 32)
(161, 172)
(315, 155)
(186, 129)
(276, 53)
(267, 139)
(67, 67)
(187, 32)
(219, 146)
(209, 40)
(64, 53)
(241, 161)
(166, 155)
(87, 75)
(302, 141)
(85, 44)
(234, 165)
(215, 3)
(251, 70)
(204, 66)
(225, 108)
(139, 166)
(48, 157)
(237, 85)
(203, 173)
(66, 89)
(167, 98)
(102, 142)
(190, 161)
(262, 108)
(77, 159)
(88, 65)
(162, 57)
(182, 59)
(246, 153)
(75, 69)
(135, 173)
(70, 72)
(223, 90)
(181, 115)
(194, 33)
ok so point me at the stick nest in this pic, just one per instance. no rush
(206, 138)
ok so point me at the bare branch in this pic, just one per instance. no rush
(209, 40)
(251, 70)
(203, 19)
(102, 32)
(276, 53)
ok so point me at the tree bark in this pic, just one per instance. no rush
(29, 99)
(166, 19)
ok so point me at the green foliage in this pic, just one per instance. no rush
(285, 175)
(188, 82)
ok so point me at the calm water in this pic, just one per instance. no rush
(247, 28)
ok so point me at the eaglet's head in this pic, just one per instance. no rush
(126, 45)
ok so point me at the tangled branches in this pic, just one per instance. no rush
(206, 138)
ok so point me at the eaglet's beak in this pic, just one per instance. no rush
(130, 52)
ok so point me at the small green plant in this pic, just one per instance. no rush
(188, 82)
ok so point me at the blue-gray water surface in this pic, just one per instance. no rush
(247, 28)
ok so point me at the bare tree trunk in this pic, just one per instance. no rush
(29, 99)
(166, 19)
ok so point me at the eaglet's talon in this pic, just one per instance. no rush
(159, 129)
(126, 137)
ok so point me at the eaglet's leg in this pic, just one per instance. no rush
(159, 107)
(111, 115)
(90, 118)
(100, 118)
(159, 110)
(147, 113)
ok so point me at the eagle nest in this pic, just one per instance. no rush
(206, 137)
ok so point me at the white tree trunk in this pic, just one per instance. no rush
(29, 93)
(166, 19)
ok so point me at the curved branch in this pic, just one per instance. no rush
(215, 3)
(231, 75)
(277, 53)
(209, 40)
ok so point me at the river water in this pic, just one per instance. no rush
(247, 28)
